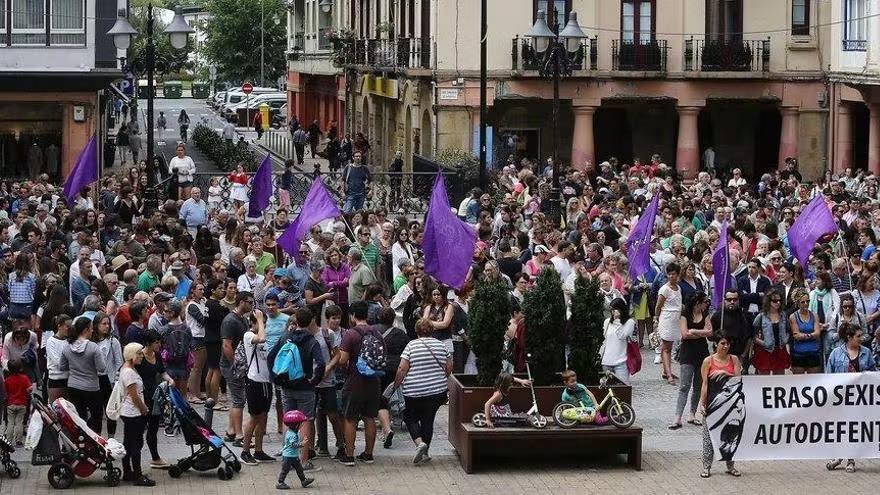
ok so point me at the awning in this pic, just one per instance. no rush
(57, 82)
(119, 95)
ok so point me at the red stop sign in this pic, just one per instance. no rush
(247, 88)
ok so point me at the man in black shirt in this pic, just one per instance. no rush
(216, 290)
(232, 330)
(507, 263)
(735, 326)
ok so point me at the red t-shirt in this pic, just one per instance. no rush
(17, 387)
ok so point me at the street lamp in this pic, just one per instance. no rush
(122, 33)
(326, 6)
(556, 51)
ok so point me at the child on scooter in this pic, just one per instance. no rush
(578, 394)
(499, 405)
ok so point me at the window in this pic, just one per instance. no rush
(28, 22)
(724, 20)
(800, 17)
(68, 22)
(637, 21)
(556, 10)
(855, 26)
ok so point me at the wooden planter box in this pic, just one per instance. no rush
(467, 398)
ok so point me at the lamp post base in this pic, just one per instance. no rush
(151, 200)
(555, 210)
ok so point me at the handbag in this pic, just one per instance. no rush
(654, 340)
(633, 357)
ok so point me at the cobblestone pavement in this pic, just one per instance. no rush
(671, 464)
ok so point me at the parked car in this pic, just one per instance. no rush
(237, 113)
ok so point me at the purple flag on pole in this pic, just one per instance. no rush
(813, 222)
(639, 242)
(721, 268)
(84, 172)
(318, 206)
(449, 243)
(261, 189)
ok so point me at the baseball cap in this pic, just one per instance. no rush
(163, 297)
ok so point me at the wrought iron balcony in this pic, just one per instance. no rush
(401, 53)
(719, 55)
(525, 57)
(639, 55)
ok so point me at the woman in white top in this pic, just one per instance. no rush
(666, 317)
(401, 249)
(618, 329)
(56, 386)
(196, 314)
(133, 413)
(184, 167)
(250, 279)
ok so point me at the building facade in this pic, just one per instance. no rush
(54, 62)
(757, 81)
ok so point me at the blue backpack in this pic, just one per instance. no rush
(287, 368)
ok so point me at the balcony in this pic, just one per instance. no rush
(384, 54)
(718, 55)
(525, 57)
(639, 55)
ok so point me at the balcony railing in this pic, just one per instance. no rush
(855, 45)
(525, 57)
(720, 55)
(647, 55)
(401, 53)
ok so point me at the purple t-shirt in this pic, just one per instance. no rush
(351, 343)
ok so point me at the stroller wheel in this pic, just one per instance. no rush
(236, 465)
(479, 420)
(175, 471)
(221, 474)
(60, 476)
(13, 471)
(113, 476)
(229, 472)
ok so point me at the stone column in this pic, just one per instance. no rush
(687, 153)
(583, 147)
(873, 35)
(874, 139)
(843, 153)
(788, 134)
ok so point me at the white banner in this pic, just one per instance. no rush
(820, 416)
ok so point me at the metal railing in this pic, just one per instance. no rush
(405, 193)
(400, 53)
(855, 45)
(719, 55)
(525, 57)
(648, 55)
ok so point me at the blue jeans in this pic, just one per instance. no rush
(353, 202)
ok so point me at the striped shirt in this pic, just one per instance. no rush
(427, 376)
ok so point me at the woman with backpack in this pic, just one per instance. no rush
(151, 369)
(111, 351)
(177, 346)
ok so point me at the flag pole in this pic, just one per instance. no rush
(354, 235)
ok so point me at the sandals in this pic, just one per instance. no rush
(734, 472)
(851, 466)
(705, 473)
(832, 465)
(674, 426)
(696, 422)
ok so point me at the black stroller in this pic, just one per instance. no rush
(206, 446)
(6, 450)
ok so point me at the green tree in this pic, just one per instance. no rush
(233, 39)
(488, 316)
(585, 330)
(544, 308)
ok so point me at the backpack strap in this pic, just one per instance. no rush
(386, 332)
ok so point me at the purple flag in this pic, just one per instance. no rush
(318, 206)
(449, 243)
(813, 222)
(261, 189)
(721, 268)
(84, 172)
(639, 242)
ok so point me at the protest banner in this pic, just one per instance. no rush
(819, 416)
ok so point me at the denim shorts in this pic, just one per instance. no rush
(304, 400)
(234, 388)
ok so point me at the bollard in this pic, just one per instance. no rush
(209, 412)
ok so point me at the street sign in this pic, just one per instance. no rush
(247, 88)
(126, 85)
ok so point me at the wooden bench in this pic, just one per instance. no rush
(552, 441)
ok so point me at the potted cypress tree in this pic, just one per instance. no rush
(544, 308)
(585, 330)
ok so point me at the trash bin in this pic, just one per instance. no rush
(201, 90)
(172, 89)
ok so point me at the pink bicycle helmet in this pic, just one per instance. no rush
(294, 418)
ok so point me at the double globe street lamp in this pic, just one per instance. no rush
(178, 32)
(557, 51)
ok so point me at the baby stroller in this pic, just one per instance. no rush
(6, 450)
(206, 446)
(81, 451)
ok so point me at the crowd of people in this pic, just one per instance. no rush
(205, 300)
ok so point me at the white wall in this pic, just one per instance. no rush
(54, 59)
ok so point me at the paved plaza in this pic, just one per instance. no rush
(671, 464)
